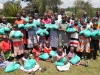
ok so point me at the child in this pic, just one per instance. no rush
(63, 36)
(84, 43)
(16, 37)
(53, 35)
(6, 47)
(74, 37)
(32, 38)
(46, 20)
(32, 70)
(21, 21)
(61, 58)
(36, 51)
(42, 38)
(72, 54)
(37, 21)
(94, 44)
(4, 64)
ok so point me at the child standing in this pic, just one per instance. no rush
(32, 38)
(42, 38)
(6, 47)
(18, 45)
(36, 51)
(84, 43)
(94, 44)
(53, 35)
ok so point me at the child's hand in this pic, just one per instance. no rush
(44, 32)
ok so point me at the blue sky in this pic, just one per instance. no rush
(67, 3)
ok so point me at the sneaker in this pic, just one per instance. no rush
(87, 64)
(43, 69)
(33, 72)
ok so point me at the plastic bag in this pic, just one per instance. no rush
(44, 56)
(61, 62)
(75, 59)
(29, 64)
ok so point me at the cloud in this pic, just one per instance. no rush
(1, 6)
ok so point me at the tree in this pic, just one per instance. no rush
(11, 9)
(84, 6)
(43, 5)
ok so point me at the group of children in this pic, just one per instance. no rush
(52, 38)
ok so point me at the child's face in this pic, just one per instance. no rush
(42, 25)
(84, 25)
(4, 20)
(36, 16)
(38, 47)
(72, 49)
(52, 20)
(45, 16)
(60, 52)
(18, 16)
(30, 19)
(76, 22)
(24, 13)
(47, 44)
(1, 59)
(95, 25)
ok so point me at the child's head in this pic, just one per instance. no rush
(60, 51)
(73, 16)
(85, 14)
(47, 43)
(5, 37)
(88, 19)
(56, 15)
(36, 15)
(68, 18)
(36, 46)
(53, 20)
(76, 21)
(30, 19)
(15, 27)
(72, 49)
(23, 12)
(42, 25)
(18, 16)
(45, 16)
(4, 19)
(84, 24)
(95, 25)
(64, 18)
(95, 19)
(26, 54)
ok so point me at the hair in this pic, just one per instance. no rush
(35, 45)
(60, 48)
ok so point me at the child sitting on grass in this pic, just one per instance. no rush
(27, 61)
(6, 47)
(36, 51)
(74, 59)
(61, 60)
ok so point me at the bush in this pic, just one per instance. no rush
(9, 19)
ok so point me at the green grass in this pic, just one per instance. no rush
(93, 69)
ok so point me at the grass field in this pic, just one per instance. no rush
(93, 69)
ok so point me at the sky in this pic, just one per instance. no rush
(66, 3)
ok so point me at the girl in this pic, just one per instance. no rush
(21, 21)
(72, 54)
(84, 43)
(94, 44)
(16, 37)
(53, 35)
(36, 51)
(37, 21)
(62, 61)
(32, 38)
(31, 70)
(6, 47)
(24, 16)
(46, 20)
(42, 38)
